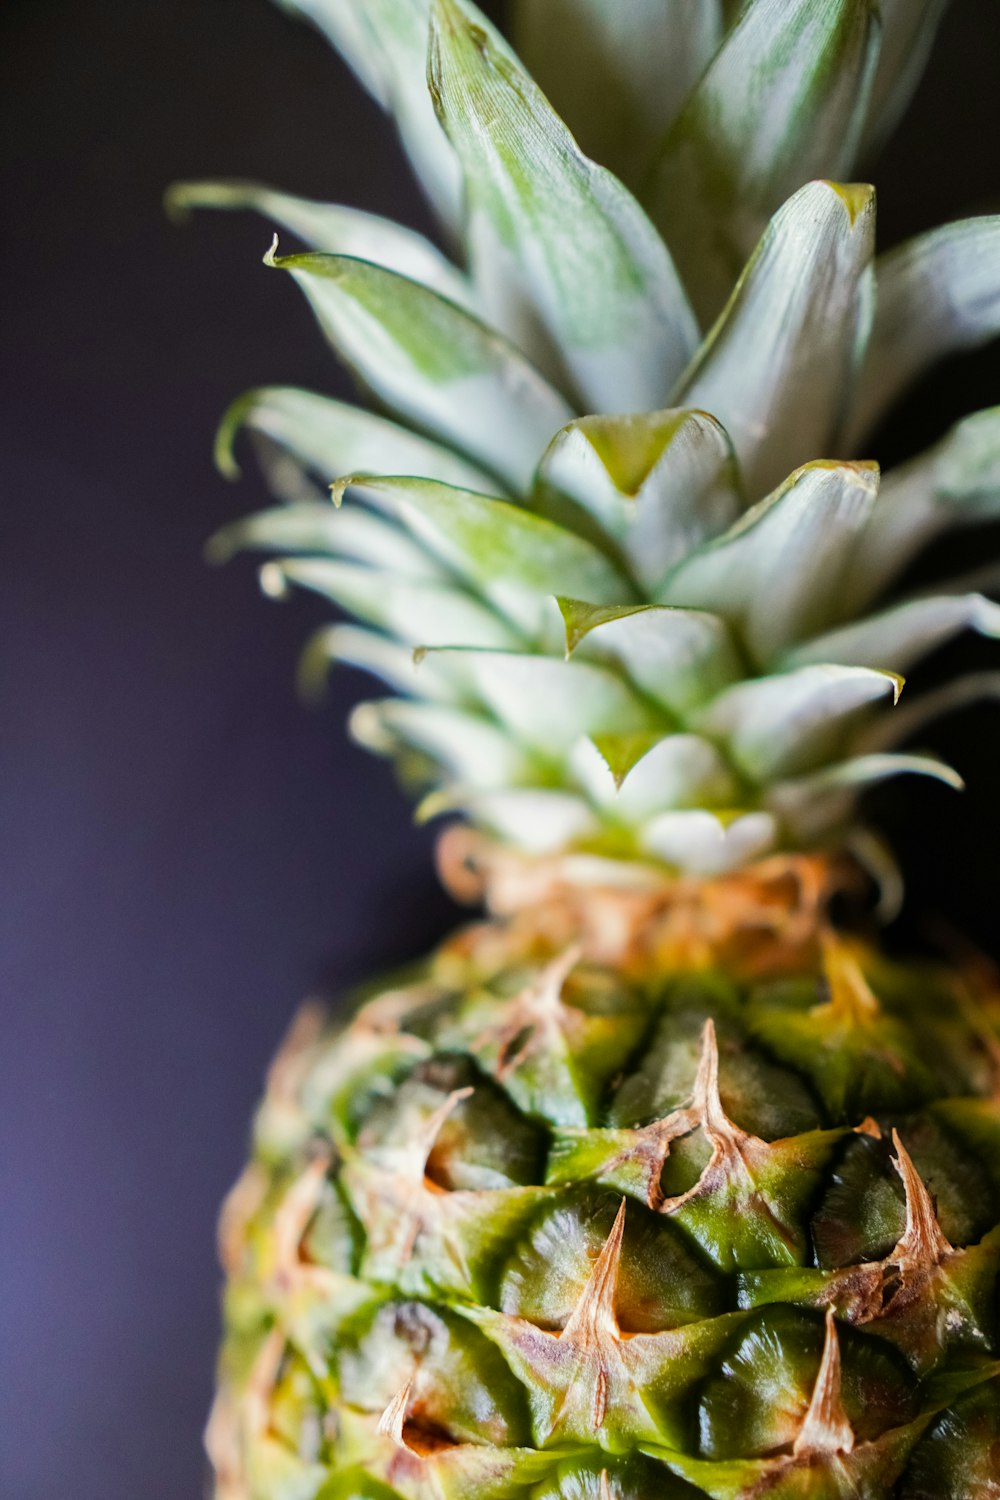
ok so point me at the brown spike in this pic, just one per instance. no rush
(826, 1427)
(409, 1161)
(594, 1318)
(393, 1419)
(706, 1098)
(923, 1244)
(296, 1210)
(605, 1491)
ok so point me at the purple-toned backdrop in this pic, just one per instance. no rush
(185, 850)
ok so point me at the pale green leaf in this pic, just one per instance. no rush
(469, 748)
(432, 362)
(776, 370)
(391, 660)
(778, 575)
(908, 31)
(658, 484)
(425, 614)
(784, 100)
(549, 704)
(331, 438)
(537, 820)
(955, 483)
(938, 294)
(548, 224)
(678, 657)
(963, 692)
(518, 559)
(900, 636)
(789, 723)
(679, 771)
(811, 806)
(699, 842)
(385, 42)
(618, 72)
(318, 528)
(341, 231)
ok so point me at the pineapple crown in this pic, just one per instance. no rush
(617, 553)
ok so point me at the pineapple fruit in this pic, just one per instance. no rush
(653, 1181)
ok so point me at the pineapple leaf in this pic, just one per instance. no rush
(676, 771)
(776, 366)
(425, 614)
(938, 294)
(787, 724)
(536, 819)
(315, 527)
(811, 806)
(333, 228)
(433, 362)
(955, 483)
(549, 704)
(778, 574)
(330, 438)
(547, 224)
(964, 692)
(385, 43)
(904, 633)
(517, 559)
(618, 74)
(658, 484)
(783, 100)
(475, 752)
(391, 660)
(677, 657)
(908, 31)
(705, 843)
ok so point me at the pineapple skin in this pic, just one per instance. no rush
(626, 1194)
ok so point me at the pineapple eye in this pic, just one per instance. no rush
(661, 1283)
(757, 1402)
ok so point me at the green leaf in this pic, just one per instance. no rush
(550, 704)
(962, 692)
(517, 559)
(425, 614)
(318, 528)
(338, 230)
(908, 31)
(902, 635)
(535, 819)
(778, 575)
(330, 439)
(657, 484)
(385, 42)
(677, 657)
(547, 224)
(955, 483)
(784, 100)
(777, 368)
(811, 806)
(937, 295)
(704, 843)
(435, 364)
(618, 73)
(678, 771)
(390, 660)
(476, 753)
(787, 724)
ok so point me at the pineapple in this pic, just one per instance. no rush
(652, 1181)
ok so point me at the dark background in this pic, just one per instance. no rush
(184, 850)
